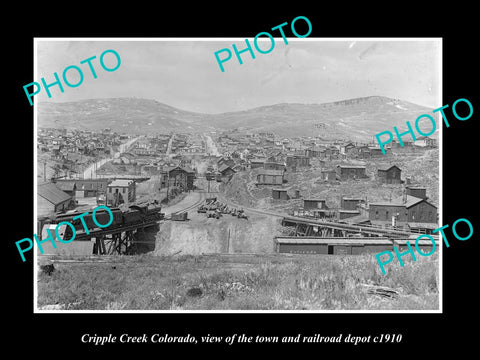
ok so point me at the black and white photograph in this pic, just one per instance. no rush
(251, 188)
(213, 180)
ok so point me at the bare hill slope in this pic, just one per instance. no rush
(359, 118)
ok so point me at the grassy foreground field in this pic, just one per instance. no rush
(238, 282)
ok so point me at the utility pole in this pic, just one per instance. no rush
(168, 183)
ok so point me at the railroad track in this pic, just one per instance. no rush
(335, 225)
(195, 205)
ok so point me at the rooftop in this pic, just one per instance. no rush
(411, 200)
(351, 166)
(271, 172)
(121, 183)
(387, 167)
(51, 193)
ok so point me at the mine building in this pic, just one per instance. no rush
(389, 174)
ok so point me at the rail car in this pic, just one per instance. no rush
(135, 214)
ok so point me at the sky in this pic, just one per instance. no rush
(184, 73)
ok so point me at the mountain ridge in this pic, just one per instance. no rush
(355, 118)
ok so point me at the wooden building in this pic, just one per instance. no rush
(121, 191)
(389, 174)
(346, 172)
(419, 192)
(271, 165)
(311, 204)
(68, 187)
(297, 161)
(348, 149)
(347, 203)
(270, 177)
(181, 177)
(85, 188)
(226, 170)
(280, 194)
(256, 163)
(405, 209)
(50, 199)
(329, 175)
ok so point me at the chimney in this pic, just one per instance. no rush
(404, 196)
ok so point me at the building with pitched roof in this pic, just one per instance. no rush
(406, 210)
(51, 199)
(389, 174)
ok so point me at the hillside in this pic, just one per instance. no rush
(356, 119)
(123, 115)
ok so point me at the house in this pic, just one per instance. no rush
(121, 191)
(425, 142)
(257, 163)
(345, 172)
(50, 199)
(224, 161)
(315, 152)
(348, 149)
(226, 170)
(312, 204)
(332, 152)
(395, 144)
(270, 177)
(363, 151)
(389, 174)
(280, 194)
(377, 151)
